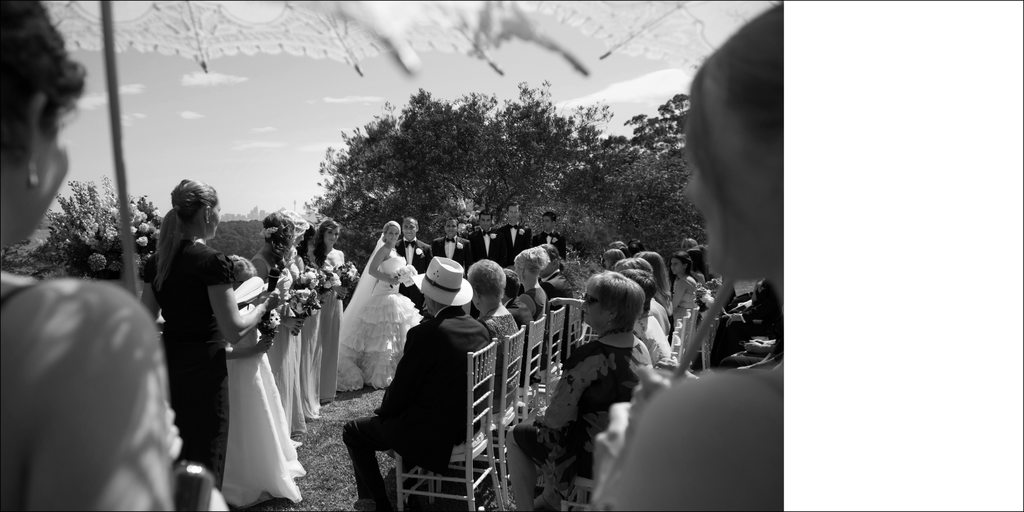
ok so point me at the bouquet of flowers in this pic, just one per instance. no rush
(405, 275)
(349, 277)
(706, 293)
(304, 299)
(268, 326)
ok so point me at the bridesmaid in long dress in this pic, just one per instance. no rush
(309, 363)
(284, 355)
(329, 258)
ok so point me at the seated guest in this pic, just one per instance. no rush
(647, 327)
(634, 246)
(519, 311)
(688, 244)
(552, 280)
(659, 313)
(620, 245)
(528, 265)
(488, 282)
(663, 293)
(560, 443)
(422, 415)
(452, 246)
(699, 267)
(762, 318)
(610, 257)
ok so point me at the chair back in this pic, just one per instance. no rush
(507, 377)
(708, 343)
(533, 352)
(479, 391)
(686, 327)
(573, 326)
(555, 337)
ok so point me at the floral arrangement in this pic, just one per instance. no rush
(327, 280)
(349, 277)
(405, 275)
(85, 236)
(303, 298)
(269, 324)
(705, 294)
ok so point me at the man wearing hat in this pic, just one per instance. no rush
(423, 413)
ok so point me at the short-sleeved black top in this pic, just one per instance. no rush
(183, 298)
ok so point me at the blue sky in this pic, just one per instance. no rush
(256, 128)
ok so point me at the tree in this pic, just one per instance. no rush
(84, 236)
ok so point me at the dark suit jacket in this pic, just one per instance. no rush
(420, 262)
(464, 256)
(559, 241)
(498, 253)
(424, 409)
(521, 312)
(556, 286)
(523, 241)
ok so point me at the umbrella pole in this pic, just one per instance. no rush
(128, 270)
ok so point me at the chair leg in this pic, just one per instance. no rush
(431, 485)
(470, 495)
(399, 483)
(495, 483)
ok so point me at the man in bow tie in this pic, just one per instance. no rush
(452, 246)
(486, 244)
(417, 254)
(517, 237)
(548, 235)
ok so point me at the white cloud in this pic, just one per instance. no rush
(651, 89)
(200, 79)
(354, 99)
(99, 99)
(264, 129)
(320, 147)
(129, 119)
(241, 145)
(188, 114)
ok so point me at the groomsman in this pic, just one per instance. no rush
(417, 254)
(452, 246)
(548, 235)
(517, 237)
(486, 244)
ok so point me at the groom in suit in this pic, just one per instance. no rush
(423, 413)
(452, 246)
(417, 254)
(486, 244)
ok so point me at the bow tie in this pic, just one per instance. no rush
(449, 240)
(407, 243)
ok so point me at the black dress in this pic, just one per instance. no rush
(196, 363)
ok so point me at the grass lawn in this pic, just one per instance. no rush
(329, 483)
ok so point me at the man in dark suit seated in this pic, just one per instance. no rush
(452, 246)
(423, 413)
(763, 317)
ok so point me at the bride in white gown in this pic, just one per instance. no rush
(376, 320)
(261, 460)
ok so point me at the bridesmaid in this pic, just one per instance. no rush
(327, 257)
(278, 252)
(309, 364)
(192, 285)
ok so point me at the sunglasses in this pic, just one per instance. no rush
(590, 299)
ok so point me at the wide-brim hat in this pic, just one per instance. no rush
(250, 289)
(443, 282)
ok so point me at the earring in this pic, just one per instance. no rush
(33, 176)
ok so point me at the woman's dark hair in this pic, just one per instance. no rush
(613, 254)
(303, 248)
(321, 249)
(683, 258)
(34, 60)
(634, 246)
(748, 72)
(282, 238)
(511, 284)
(699, 262)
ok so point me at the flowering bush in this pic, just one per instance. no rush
(84, 236)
